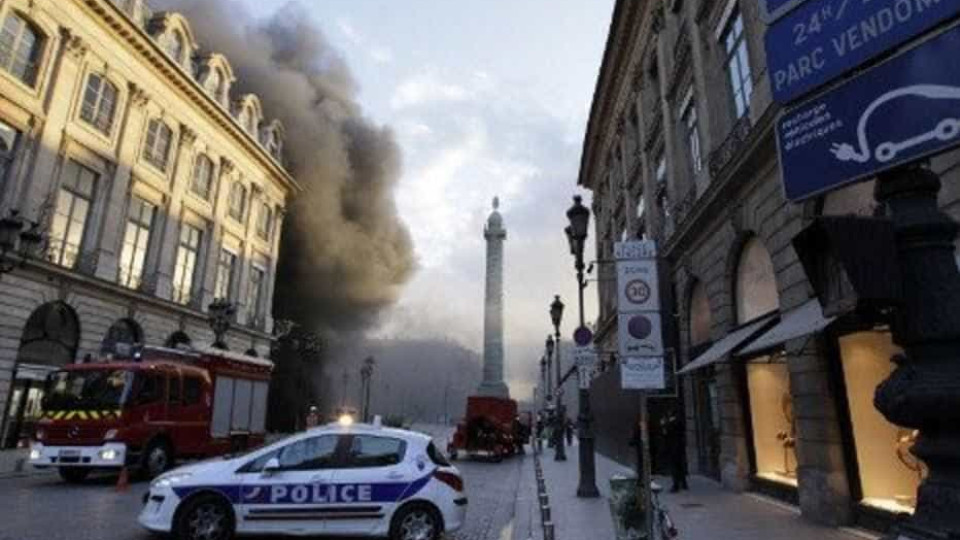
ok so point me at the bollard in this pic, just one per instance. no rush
(548, 531)
(541, 487)
(544, 500)
(547, 514)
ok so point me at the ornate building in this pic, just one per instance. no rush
(157, 187)
(681, 148)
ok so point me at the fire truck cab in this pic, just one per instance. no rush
(159, 406)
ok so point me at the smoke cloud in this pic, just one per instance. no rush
(345, 252)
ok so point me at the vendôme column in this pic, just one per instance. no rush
(495, 234)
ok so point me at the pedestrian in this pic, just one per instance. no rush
(672, 429)
(569, 432)
(313, 417)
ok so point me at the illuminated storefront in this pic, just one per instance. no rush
(888, 473)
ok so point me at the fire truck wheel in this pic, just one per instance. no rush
(157, 459)
(74, 475)
(205, 517)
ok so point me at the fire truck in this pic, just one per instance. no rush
(487, 430)
(147, 411)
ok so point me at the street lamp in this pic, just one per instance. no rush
(579, 217)
(17, 237)
(544, 382)
(221, 314)
(556, 315)
(366, 373)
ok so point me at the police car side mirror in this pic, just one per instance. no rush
(271, 466)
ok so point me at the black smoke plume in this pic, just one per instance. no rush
(345, 253)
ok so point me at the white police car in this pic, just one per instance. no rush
(351, 480)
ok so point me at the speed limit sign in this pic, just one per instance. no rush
(638, 285)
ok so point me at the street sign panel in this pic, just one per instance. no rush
(823, 39)
(635, 249)
(638, 286)
(642, 373)
(584, 356)
(640, 334)
(905, 109)
(774, 9)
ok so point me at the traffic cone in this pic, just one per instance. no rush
(123, 483)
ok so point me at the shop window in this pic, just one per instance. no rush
(774, 426)
(889, 473)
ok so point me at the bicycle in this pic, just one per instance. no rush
(663, 527)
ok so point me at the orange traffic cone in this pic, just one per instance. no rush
(123, 483)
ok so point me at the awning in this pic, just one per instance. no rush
(733, 340)
(802, 321)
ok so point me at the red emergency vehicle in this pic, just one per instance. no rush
(150, 410)
(488, 429)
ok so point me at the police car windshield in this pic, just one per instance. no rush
(87, 389)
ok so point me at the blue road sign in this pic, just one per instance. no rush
(904, 109)
(822, 39)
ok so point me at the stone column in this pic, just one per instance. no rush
(493, 384)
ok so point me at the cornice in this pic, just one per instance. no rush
(136, 37)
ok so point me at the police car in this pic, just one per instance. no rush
(338, 479)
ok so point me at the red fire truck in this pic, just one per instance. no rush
(147, 411)
(487, 429)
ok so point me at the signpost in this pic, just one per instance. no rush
(902, 110)
(585, 358)
(821, 40)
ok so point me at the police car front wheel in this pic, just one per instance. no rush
(418, 522)
(206, 517)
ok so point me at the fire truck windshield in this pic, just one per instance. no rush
(88, 389)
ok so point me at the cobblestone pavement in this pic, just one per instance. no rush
(44, 508)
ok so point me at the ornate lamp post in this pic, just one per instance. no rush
(366, 373)
(19, 240)
(221, 314)
(579, 217)
(556, 315)
(544, 383)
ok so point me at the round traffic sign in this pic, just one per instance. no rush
(640, 327)
(582, 336)
(637, 291)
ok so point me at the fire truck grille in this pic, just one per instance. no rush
(75, 434)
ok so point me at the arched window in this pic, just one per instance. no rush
(756, 285)
(99, 103)
(178, 340)
(700, 318)
(51, 336)
(215, 84)
(251, 121)
(157, 146)
(20, 48)
(202, 176)
(121, 339)
(175, 46)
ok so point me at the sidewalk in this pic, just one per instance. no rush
(705, 512)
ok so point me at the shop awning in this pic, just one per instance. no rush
(734, 339)
(802, 321)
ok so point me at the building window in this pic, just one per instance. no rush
(255, 296)
(20, 48)
(186, 267)
(157, 147)
(175, 46)
(99, 103)
(693, 136)
(738, 63)
(202, 176)
(8, 148)
(226, 264)
(135, 241)
(70, 218)
(238, 196)
(252, 122)
(264, 221)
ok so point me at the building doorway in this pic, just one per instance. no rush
(49, 341)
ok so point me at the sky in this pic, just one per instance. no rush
(487, 98)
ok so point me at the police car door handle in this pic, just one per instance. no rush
(395, 476)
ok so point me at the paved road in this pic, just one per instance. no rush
(44, 508)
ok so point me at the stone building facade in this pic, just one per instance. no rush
(158, 190)
(680, 148)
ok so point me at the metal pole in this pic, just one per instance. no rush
(588, 467)
(645, 495)
(561, 454)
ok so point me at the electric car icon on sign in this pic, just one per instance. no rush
(945, 130)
